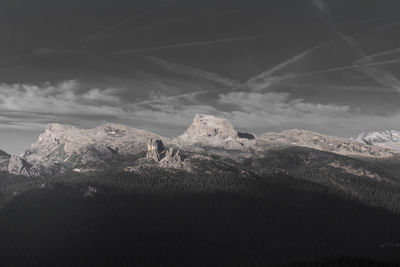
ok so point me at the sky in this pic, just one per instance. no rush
(330, 66)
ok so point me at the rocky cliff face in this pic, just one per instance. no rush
(210, 131)
(63, 147)
(155, 150)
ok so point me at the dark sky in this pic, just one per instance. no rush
(266, 65)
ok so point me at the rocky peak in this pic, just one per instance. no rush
(211, 126)
(155, 150)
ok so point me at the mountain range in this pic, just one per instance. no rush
(212, 146)
(63, 148)
(296, 193)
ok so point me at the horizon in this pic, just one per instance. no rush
(325, 66)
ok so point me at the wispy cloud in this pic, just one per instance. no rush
(30, 103)
(154, 99)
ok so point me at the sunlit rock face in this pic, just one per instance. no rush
(211, 131)
(64, 147)
(155, 150)
(210, 126)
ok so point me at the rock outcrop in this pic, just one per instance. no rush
(155, 150)
(211, 131)
(165, 157)
(210, 126)
(19, 166)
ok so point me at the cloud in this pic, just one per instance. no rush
(108, 95)
(27, 104)
(31, 107)
(259, 112)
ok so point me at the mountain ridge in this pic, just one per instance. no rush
(62, 148)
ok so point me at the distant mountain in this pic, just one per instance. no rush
(338, 145)
(389, 139)
(64, 148)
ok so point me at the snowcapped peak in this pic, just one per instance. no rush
(388, 139)
(379, 137)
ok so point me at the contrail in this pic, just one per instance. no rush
(125, 22)
(379, 76)
(367, 20)
(351, 67)
(183, 69)
(384, 53)
(267, 74)
(225, 40)
(287, 77)
(146, 102)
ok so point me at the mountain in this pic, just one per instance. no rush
(4, 159)
(389, 139)
(213, 191)
(217, 135)
(338, 145)
(64, 148)
(211, 146)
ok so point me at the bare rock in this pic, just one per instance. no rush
(65, 147)
(211, 126)
(209, 131)
(155, 150)
(19, 166)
